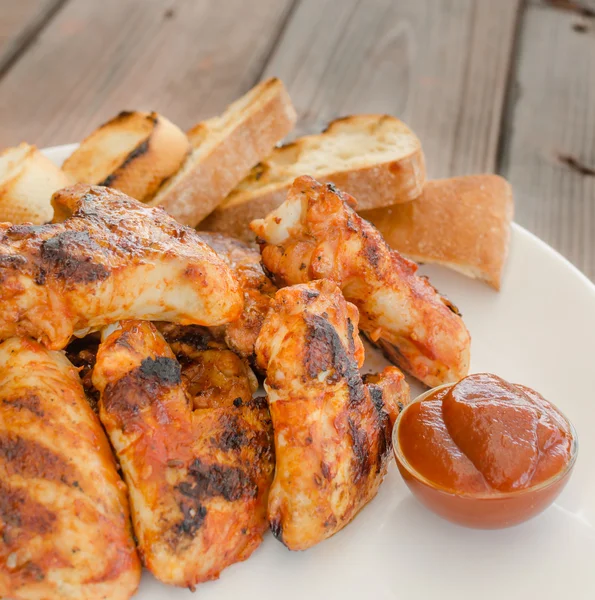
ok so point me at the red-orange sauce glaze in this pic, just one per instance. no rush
(485, 436)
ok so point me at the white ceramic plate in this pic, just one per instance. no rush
(540, 331)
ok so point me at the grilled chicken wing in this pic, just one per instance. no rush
(64, 523)
(198, 479)
(332, 432)
(316, 234)
(244, 261)
(114, 259)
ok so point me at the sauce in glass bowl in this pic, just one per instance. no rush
(484, 452)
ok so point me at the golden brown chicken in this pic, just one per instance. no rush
(198, 479)
(316, 234)
(332, 431)
(64, 523)
(212, 374)
(113, 259)
(244, 261)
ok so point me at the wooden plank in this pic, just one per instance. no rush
(549, 156)
(187, 59)
(21, 20)
(440, 66)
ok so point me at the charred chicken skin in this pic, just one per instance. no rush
(316, 234)
(64, 523)
(244, 261)
(332, 431)
(198, 479)
(113, 259)
(213, 375)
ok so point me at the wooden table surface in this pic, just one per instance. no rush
(505, 86)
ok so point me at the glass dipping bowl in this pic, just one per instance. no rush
(482, 511)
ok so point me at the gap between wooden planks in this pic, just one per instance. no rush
(549, 149)
(185, 58)
(441, 66)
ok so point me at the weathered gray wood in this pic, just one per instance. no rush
(578, 7)
(187, 59)
(549, 150)
(20, 20)
(440, 66)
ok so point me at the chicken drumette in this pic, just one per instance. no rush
(332, 431)
(113, 259)
(198, 478)
(316, 234)
(64, 523)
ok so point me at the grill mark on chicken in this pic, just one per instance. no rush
(361, 451)
(193, 516)
(325, 351)
(208, 481)
(370, 249)
(162, 368)
(195, 336)
(384, 429)
(350, 337)
(18, 510)
(232, 436)
(12, 261)
(30, 403)
(20, 232)
(139, 388)
(30, 459)
(69, 256)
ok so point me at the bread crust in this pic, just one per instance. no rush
(462, 223)
(225, 148)
(135, 152)
(27, 181)
(378, 183)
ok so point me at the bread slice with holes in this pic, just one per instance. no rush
(462, 223)
(135, 152)
(225, 148)
(375, 158)
(27, 181)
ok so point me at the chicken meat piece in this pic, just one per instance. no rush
(64, 522)
(244, 261)
(332, 431)
(316, 234)
(115, 258)
(213, 375)
(198, 479)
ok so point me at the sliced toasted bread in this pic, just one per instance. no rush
(225, 148)
(27, 181)
(462, 223)
(375, 158)
(135, 153)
